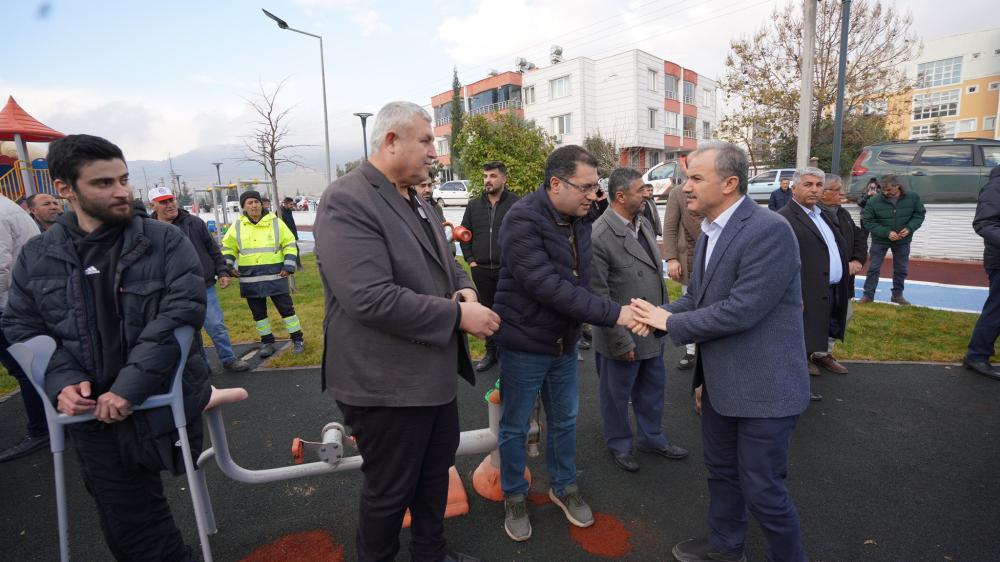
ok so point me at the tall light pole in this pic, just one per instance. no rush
(838, 124)
(364, 132)
(322, 70)
(806, 99)
(224, 196)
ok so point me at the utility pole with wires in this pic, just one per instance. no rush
(806, 92)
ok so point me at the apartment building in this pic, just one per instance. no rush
(653, 109)
(957, 87)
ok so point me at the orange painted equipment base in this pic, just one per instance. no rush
(458, 501)
(486, 480)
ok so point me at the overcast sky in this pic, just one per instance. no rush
(169, 77)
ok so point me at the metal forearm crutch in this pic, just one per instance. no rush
(34, 355)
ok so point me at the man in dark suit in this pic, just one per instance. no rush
(397, 305)
(744, 295)
(984, 335)
(626, 264)
(824, 265)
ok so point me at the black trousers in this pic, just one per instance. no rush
(285, 306)
(486, 284)
(135, 516)
(33, 407)
(407, 452)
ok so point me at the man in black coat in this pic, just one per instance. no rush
(824, 272)
(212, 266)
(987, 225)
(483, 216)
(111, 287)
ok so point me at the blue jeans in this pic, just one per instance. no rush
(216, 328)
(900, 267)
(522, 375)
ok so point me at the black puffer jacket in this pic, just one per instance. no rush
(159, 287)
(209, 254)
(987, 220)
(484, 221)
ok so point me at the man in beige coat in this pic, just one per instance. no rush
(681, 229)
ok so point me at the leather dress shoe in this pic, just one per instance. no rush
(983, 368)
(830, 364)
(865, 300)
(625, 461)
(670, 451)
(700, 550)
(487, 361)
(27, 446)
(900, 300)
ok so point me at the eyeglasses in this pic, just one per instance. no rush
(588, 189)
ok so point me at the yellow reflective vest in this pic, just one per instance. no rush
(260, 251)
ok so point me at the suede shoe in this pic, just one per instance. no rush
(830, 364)
(572, 504)
(515, 520)
(487, 361)
(266, 350)
(670, 451)
(236, 366)
(700, 550)
(984, 368)
(625, 461)
(900, 300)
(865, 300)
(27, 446)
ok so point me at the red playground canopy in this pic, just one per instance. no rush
(14, 120)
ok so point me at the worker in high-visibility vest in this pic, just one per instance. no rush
(261, 251)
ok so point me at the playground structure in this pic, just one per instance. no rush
(22, 177)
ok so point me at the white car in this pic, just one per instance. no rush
(454, 192)
(764, 183)
(663, 177)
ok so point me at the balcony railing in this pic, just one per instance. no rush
(670, 95)
(496, 107)
(442, 121)
(673, 131)
(690, 134)
(689, 100)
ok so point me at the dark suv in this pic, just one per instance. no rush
(940, 171)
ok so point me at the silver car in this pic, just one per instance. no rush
(764, 183)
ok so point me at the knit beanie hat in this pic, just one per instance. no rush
(248, 195)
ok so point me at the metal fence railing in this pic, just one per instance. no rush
(12, 182)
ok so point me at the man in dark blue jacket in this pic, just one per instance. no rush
(987, 224)
(543, 297)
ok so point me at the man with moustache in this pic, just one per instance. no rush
(425, 190)
(397, 311)
(111, 287)
(483, 217)
(44, 209)
(744, 295)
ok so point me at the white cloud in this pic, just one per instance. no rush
(371, 23)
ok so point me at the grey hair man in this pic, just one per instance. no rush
(397, 308)
(743, 307)
(44, 209)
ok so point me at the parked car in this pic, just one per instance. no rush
(455, 192)
(940, 171)
(762, 184)
(663, 177)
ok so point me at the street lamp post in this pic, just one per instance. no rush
(224, 196)
(364, 132)
(322, 70)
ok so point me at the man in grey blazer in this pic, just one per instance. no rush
(397, 305)
(626, 264)
(744, 295)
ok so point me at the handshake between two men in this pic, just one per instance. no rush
(642, 318)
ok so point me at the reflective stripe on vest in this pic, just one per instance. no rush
(260, 278)
(277, 237)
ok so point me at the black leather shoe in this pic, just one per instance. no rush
(487, 361)
(670, 451)
(27, 446)
(815, 397)
(983, 368)
(625, 461)
(700, 550)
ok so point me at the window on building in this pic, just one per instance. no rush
(993, 86)
(670, 84)
(673, 124)
(690, 127)
(653, 158)
(874, 107)
(689, 92)
(529, 95)
(990, 123)
(562, 124)
(652, 79)
(972, 89)
(559, 88)
(652, 118)
(947, 130)
(706, 130)
(939, 73)
(937, 104)
(966, 126)
(634, 160)
(442, 147)
(442, 114)
(707, 98)
(950, 155)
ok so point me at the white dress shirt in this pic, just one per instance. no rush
(836, 269)
(712, 229)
